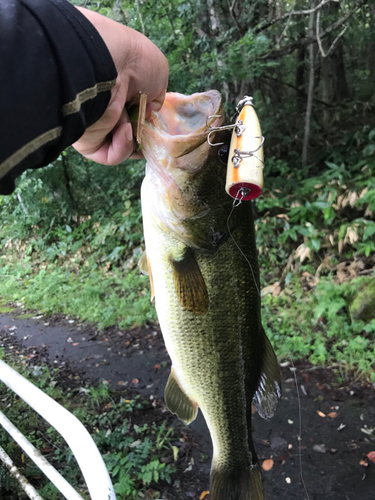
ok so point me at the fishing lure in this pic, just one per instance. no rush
(245, 159)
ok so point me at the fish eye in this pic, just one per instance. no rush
(223, 154)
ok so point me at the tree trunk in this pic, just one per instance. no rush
(300, 78)
(326, 88)
(310, 92)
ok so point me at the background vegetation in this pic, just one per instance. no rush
(72, 232)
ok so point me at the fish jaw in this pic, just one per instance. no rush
(176, 149)
(181, 125)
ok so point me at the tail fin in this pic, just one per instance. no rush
(236, 484)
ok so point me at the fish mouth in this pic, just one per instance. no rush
(183, 122)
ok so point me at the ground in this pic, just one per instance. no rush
(338, 421)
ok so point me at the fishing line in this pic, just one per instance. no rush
(299, 421)
(236, 203)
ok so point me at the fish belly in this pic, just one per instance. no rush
(208, 350)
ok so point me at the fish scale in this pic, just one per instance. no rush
(206, 298)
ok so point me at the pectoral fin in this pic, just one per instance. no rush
(145, 268)
(269, 389)
(189, 283)
(177, 401)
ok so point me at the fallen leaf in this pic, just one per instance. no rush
(108, 406)
(332, 414)
(135, 381)
(175, 453)
(267, 464)
(364, 463)
(76, 343)
(302, 252)
(371, 456)
(321, 414)
(203, 494)
(120, 382)
(157, 367)
(319, 448)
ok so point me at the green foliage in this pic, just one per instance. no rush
(317, 326)
(136, 455)
(329, 213)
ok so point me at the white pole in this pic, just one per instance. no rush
(79, 440)
(15, 473)
(55, 477)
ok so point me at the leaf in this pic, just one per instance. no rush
(76, 343)
(332, 414)
(135, 381)
(203, 494)
(364, 463)
(321, 414)
(371, 456)
(120, 382)
(267, 464)
(302, 252)
(175, 453)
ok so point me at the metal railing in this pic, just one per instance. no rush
(71, 429)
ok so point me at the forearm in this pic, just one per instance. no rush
(56, 76)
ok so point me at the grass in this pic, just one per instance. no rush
(96, 295)
(316, 325)
(137, 451)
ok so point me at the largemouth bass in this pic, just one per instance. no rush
(206, 291)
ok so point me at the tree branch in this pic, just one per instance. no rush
(296, 89)
(326, 54)
(292, 13)
(304, 42)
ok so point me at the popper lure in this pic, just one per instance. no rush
(245, 160)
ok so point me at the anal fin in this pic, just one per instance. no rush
(268, 392)
(178, 402)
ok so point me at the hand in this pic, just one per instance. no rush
(141, 66)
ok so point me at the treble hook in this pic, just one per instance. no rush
(239, 128)
(238, 154)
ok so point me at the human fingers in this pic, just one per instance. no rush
(117, 146)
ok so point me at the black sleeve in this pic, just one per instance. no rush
(56, 76)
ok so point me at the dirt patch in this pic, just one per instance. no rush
(338, 421)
